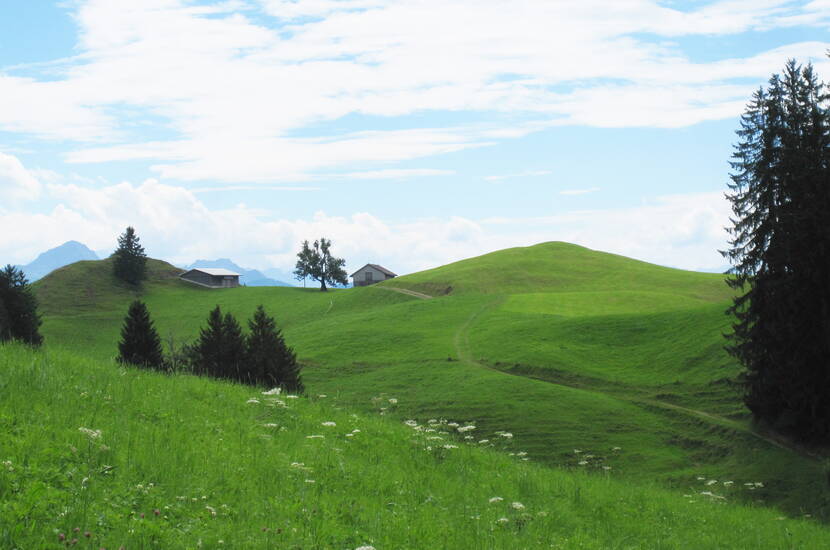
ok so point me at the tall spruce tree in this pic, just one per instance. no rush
(269, 360)
(140, 343)
(233, 350)
(207, 351)
(19, 319)
(220, 350)
(129, 260)
(780, 251)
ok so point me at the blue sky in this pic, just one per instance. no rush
(412, 133)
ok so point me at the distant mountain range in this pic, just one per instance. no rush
(250, 277)
(65, 254)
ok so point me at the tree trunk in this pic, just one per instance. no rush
(323, 285)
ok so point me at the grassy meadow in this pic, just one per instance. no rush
(610, 370)
(96, 456)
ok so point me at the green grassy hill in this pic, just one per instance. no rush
(95, 456)
(567, 348)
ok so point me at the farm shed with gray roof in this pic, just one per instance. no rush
(370, 274)
(211, 277)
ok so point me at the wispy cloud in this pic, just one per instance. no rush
(579, 191)
(526, 174)
(252, 73)
(230, 188)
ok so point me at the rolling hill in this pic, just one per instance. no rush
(575, 352)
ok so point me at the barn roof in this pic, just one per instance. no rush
(217, 271)
(376, 266)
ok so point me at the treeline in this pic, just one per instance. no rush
(222, 350)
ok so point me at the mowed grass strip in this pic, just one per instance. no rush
(123, 457)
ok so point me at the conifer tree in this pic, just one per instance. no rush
(140, 343)
(780, 250)
(270, 361)
(220, 350)
(129, 259)
(233, 350)
(19, 319)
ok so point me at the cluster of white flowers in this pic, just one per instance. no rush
(315, 436)
(252, 401)
(467, 428)
(90, 433)
(275, 391)
(329, 424)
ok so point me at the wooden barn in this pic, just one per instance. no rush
(370, 274)
(211, 277)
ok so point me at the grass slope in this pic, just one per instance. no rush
(116, 457)
(566, 347)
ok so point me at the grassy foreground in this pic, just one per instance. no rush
(118, 457)
(567, 348)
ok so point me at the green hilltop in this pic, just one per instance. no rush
(599, 365)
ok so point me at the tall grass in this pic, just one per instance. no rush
(115, 457)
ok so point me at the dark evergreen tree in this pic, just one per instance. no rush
(270, 361)
(233, 350)
(318, 263)
(220, 350)
(140, 343)
(129, 260)
(19, 319)
(207, 351)
(780, 250)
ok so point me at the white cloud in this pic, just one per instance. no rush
(174, 224)
(525, 174)
(16, 182)
(579, 191)
(231, 92)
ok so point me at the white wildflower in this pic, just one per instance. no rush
(212, 510)
(356, 431)
(329, 424)
(506, 435)
(292, 396)
(450, 446)
(310, 481)
(322, 396)
(502, 521)
(711, 482)
(411, 423)
(315, 437)
(453, 424)
(466, 428)
(275, 391)
(728, 483)
(90, 433)
(616, 449)
(517, 505)
(366, 547)
(606, 468)
(483, 441)
(253, 401)
(577, 451)
(393, 401)
(583, 462)
(270, 425)
(495, 499)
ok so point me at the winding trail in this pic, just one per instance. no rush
(461, 342)
(408, 292)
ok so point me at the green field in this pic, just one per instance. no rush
(610, 370)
